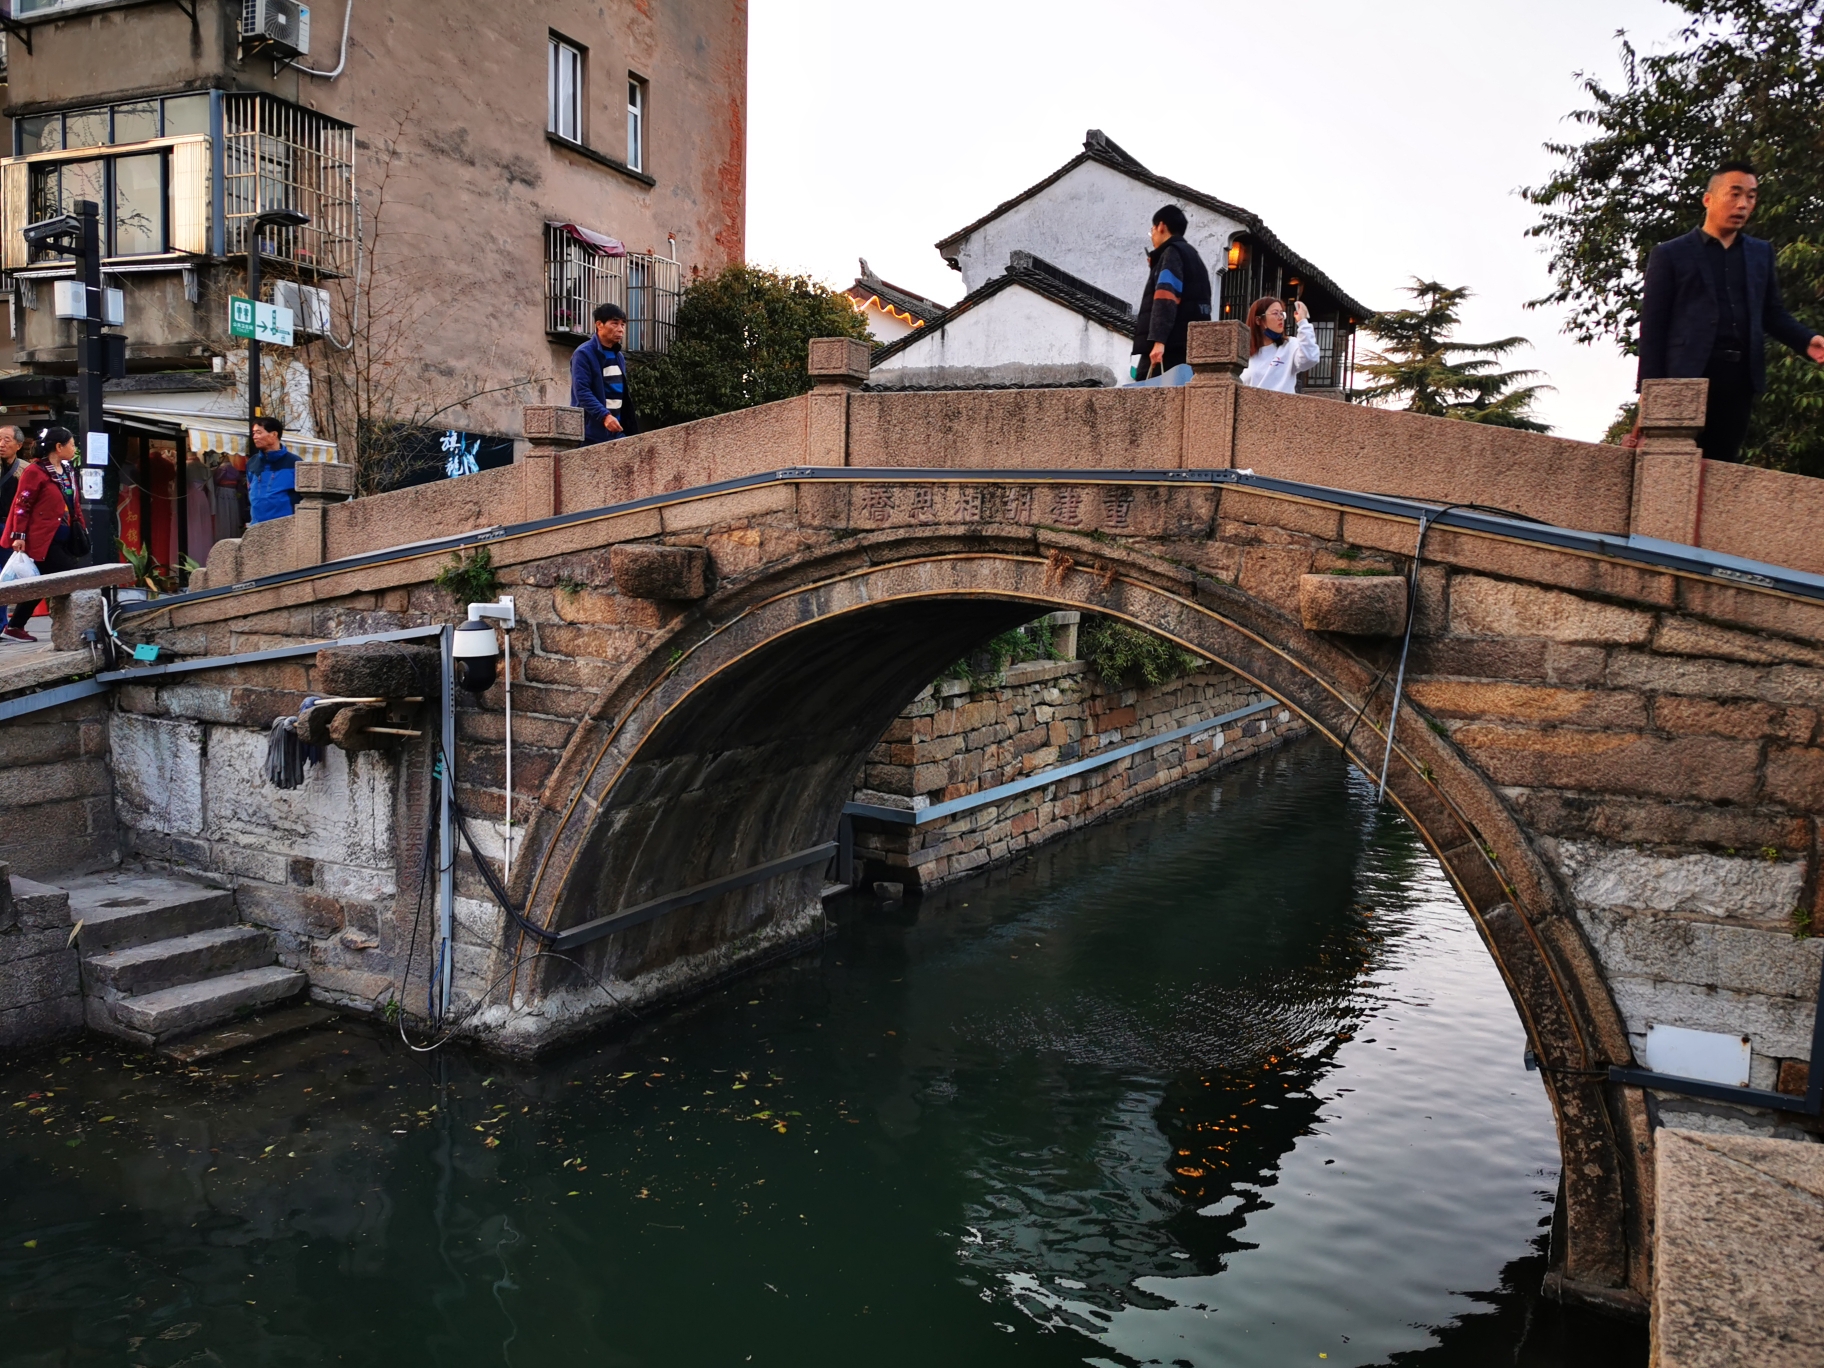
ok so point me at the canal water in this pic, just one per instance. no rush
(1230, 1081)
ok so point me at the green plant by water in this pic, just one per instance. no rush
(1131, 656)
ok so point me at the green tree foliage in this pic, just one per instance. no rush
(1420, 364)
(741, 340)
(1130, 656)
(1744, 79)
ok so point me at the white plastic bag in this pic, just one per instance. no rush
(19, 566)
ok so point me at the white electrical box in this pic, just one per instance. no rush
(309, 305)
(69, 299)
(1712, 1056)
(281, 26)
(113, 307)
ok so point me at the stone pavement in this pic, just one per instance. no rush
(1738, 1251)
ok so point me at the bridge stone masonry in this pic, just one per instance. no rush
(1610, 741)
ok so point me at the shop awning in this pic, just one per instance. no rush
(214, 431)
(234, 443)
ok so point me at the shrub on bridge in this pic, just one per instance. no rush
(743, 338)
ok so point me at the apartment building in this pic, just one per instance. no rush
(477, 177)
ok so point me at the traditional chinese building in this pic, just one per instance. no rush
(892, 312)
(1054, 275)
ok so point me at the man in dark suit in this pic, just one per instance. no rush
(1711, 299)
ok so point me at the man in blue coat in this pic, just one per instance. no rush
(1711, 299)
(598, 379)
(272, 473)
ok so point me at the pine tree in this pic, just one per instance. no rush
(1419, 363)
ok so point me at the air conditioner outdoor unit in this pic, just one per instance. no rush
(309, 305)
(281, 26)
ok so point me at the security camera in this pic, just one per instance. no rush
(476, 655)
(47, 230)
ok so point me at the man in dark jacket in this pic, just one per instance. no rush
(1177, 295)
(1711, 299)
(598, 379)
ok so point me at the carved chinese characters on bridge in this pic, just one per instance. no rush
(1140, 510)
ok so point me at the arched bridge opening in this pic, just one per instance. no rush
(739, 746)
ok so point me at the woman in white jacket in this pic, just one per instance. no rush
(1275, 361)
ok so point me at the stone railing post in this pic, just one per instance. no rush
(1217, 353)
(1668, 467)
(552, 429)
(319, 484)
(838, 367)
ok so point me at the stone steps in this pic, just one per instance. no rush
(120, 911)
(161, 964)
(192, 1006)
(163, 957)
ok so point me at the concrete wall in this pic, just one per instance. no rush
(955, 741)
(1055, 345)
(56, 792)
(1093, 222)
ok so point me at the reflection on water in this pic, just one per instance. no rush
(1228, 1082)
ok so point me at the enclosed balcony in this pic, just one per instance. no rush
(182, 177)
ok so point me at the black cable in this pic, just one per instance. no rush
(1412, 608)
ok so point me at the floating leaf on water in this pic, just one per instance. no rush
(106, 1119)
(184, 1331)
(31, 1244)
(491, 1142)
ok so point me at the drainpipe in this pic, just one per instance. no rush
(446, 852)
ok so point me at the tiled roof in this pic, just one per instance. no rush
(1042, 278)
(1098, 147)
(867, 285)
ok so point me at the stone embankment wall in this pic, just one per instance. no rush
(56, 791)
(955, 741)
(320, 865)
(40, 979)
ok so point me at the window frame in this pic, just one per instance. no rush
(557, 49)
(639, 119)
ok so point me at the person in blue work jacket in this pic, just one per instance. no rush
(272, 484)
(598, 379)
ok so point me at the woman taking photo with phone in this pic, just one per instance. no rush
(46, 518)
(1275, 361)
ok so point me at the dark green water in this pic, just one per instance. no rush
(1231, 1082)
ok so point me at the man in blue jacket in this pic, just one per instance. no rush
(272, 473)
(1711, 299)
(598, 379)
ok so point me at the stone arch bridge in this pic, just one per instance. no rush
(1608, 734)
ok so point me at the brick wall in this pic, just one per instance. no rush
(954, 741)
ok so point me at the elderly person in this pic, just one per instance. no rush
(45, 511)
(15, 450)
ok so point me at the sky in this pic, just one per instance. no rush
(1379, 141)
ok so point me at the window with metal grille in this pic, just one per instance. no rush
(578, 277)
(280, 156)
(1324, 375)
(564, 89)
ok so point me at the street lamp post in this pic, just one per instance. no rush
(276, 218)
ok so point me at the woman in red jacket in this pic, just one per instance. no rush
(39, 522)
